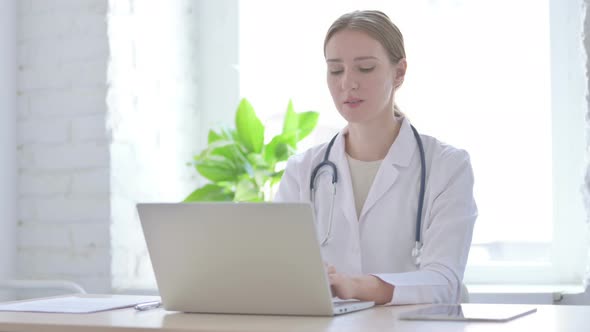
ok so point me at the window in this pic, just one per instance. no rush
(502, 79)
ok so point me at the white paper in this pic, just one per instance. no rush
(78, 304)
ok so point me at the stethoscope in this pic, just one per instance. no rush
(417, 250)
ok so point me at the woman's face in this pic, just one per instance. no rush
(361, 78)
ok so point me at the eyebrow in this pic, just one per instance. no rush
(355, 59)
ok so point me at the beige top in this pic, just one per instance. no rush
(362, 174)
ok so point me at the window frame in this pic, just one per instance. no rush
(570, 230)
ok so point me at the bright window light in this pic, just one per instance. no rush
(479, 78)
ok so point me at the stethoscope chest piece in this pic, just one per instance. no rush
(417, 253)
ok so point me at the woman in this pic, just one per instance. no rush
(366, 221)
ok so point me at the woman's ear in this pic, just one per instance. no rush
(400, 72)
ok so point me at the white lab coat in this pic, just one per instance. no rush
(381, 240)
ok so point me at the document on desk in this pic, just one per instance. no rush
(77, 304)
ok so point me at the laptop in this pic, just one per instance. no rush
(239, 258)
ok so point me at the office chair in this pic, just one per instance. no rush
(464, 296)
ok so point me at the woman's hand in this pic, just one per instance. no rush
(342, 286)
(364, 287)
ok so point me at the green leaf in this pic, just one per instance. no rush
(276, 177)
(257, 160)
(248, 168)
(282, 152)
(249, 127)
(213, 136)
(239, 163)
(230, 134)
(270, 150)
(219, 144)
(301, 124)
(261, 176)
(306, 123)
(290, 124)
(210, 192)
(231, 150)
(247, 191)
(217, 168)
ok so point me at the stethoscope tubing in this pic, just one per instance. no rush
(327, 163)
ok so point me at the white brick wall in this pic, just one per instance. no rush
(63, 145)
(64, 102)
(69, 156)
(32, 130)
(43, 185)
(8, 115)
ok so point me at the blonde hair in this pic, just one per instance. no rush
(377, 25)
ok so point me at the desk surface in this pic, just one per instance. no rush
(547, 318)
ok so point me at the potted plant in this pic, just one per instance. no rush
(238, 163)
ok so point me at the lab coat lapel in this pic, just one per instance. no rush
(344, 196)
(385, 178)
(399, 156)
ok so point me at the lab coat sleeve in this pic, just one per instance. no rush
(289, 187)
(446, 237)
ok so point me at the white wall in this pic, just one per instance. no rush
(169, 83)
(7, 136)
(63, 151)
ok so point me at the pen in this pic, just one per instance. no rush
(148, 305)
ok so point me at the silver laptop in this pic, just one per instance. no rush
(239, 258)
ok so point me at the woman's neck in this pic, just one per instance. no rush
(371, 141)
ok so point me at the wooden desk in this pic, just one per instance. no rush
(547, 318)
